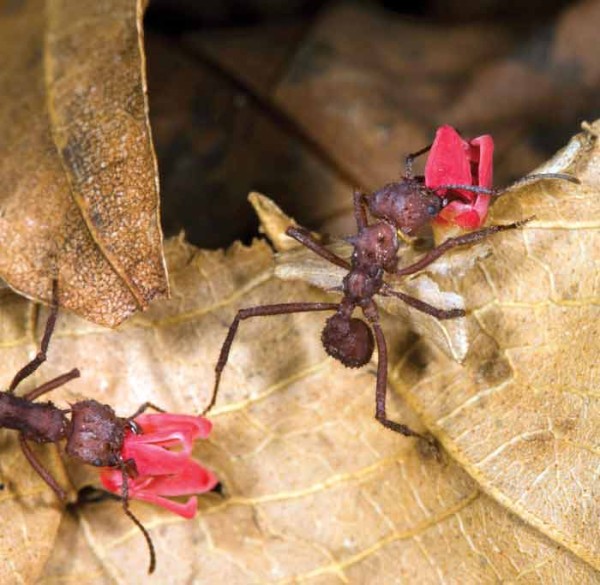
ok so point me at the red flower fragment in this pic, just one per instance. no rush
(453, 160)
(164, 472)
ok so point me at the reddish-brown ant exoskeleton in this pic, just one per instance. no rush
(94, 434)
(406, 206)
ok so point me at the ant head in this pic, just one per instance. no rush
(348, 340)
(408, 205)
(96, 434)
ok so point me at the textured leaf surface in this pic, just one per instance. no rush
(79, 191)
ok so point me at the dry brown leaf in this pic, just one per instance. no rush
(80, 194)
(368, 85)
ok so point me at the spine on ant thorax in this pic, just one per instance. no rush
(39, 422)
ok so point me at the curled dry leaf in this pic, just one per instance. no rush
(79, 190)
(316, 490)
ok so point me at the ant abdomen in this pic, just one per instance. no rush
(408, 205)
(348, 340)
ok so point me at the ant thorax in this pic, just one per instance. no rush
(375, 246)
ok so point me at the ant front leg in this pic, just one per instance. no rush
(52, 385)
(143, 407)
(261, 311)
(381, 387)
(304, 237)
(40, 358)
(360, 212)
(450, 243)
(134, 427)
(409, 159)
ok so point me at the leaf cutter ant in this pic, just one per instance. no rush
(406, 206)
(93, 432)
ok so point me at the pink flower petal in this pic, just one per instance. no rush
(163, 439)
(154, 460)
(452, 160)
(194, 479)
(162, 471)
(198, 426)
(187, 510)
(448, 162)
(485, 171)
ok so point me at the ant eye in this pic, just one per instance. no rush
(432, 210)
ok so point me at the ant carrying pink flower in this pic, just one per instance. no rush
(456, 188)
(135, 452)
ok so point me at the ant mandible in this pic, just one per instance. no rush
(406, 206)
(94, 434)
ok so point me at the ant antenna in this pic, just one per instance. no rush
(524, 181)
(129, 513)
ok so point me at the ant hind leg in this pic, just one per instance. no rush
(40, 469)
(381, 386)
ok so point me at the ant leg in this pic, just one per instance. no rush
(40, 469)
(360, 214)
(260, 311)
(471, 188)
(134, 519)
(143, 407)
(422, 306)
(381, 388)
(450, 243)
(40, 358)
(304, 237)
(523, 181)
(133, 425)
(52, 384)
(409, 159)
